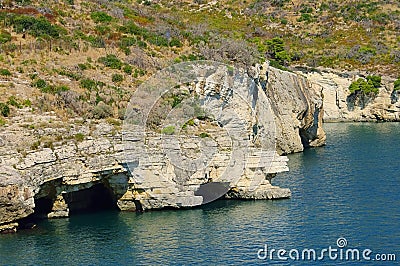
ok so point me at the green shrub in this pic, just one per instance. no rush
(176, 100)
(367, 50)
(139, 72)
(27, 103)
(128, 69)
(127, 41)
(36, 26)
(276, 50)
(126, 50)
(277, 65)
(142, 44)
(72, 75)
(204, 135)
(100, 17)
(79, 137)
(168, 130)
(82, 66)
(175, 42)
(111, 61)
(12, 100)
(62, 88)
(101, 29)
(374, 80)
(397, 85)
(54, 89)
(2, 122)
(88, 84)
(132, 28)
(5, 72)
(49, 88)
(158, 40)
(40, 83)
(96, 41)
(362, 85)
(4, 109)
(188, 123)
(117, 78)
(5, 37)
(23, 2)
(305, 17)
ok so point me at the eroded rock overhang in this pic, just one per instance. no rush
(51, 180)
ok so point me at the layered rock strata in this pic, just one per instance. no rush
(341, 106)
(56, 180)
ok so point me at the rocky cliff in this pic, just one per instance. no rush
(340, 105)
(84, 164)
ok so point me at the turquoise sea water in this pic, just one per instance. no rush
(348, 189)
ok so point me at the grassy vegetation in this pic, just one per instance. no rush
(168, 130)
(204, 135)
(5, 37)
(86, 58)
(79, 137)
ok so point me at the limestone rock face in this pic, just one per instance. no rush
(338, 106)
(16, 198)
(52, 179)
(298, 107)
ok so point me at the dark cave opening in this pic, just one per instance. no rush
(96, 198)
(43, 207)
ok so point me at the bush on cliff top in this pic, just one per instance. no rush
(369, 85)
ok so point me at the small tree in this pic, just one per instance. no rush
(276, 50)
(364, 86)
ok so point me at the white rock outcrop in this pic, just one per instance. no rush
(46, 179)
(338, 106)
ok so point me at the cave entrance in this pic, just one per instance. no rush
(42, 207)
(96, 198)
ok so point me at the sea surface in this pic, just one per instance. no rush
(349, 189)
